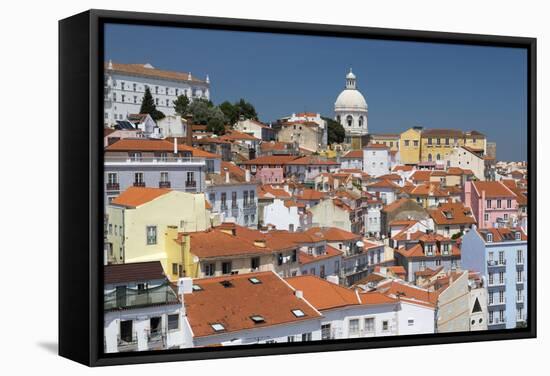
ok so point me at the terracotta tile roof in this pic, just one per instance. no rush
(391, 177)
(269, 191)
(420, 176)
(376, 146)
(133, 272)
(137, 196)
(311, 160)
(273, 299)
(310, 194)
(353, 154)
(458, 171)
(403, 168)
(142, 70)
(268, 146)
(493, 189)
(279, 160)
(413, 235)
(107, 131)
(376, 298)
(452, 213)
(306, 114)
(502, 234)
(151, 145)
(417, 251)
(402, 222)
(233, 169)
(290, 204)
(331, 252)
(395, 205)
(322, 294)
(429, 189)
(428, 272)
(383, 184)
(219, 242)
(333, 234)
(408, 293)
(233, 135)
(397, 270)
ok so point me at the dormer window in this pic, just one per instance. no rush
(489, 237)
(518, 235)
(445, 249)
(429, 249)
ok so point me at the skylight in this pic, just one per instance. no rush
(197, 288)
(254, 280)
(217, 327)
(257, 319)
(298, 313)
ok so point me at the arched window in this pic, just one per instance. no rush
(438, 157)
(429, 157)
(349, 120)
(360, 121)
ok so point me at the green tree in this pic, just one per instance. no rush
(148, 106)
(233, 112)
(230, 112)
(336, 133)
(216, 125)
(202, 110)
(181, 105)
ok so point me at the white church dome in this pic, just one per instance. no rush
(350, 99)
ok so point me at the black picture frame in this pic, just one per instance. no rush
(80, 185)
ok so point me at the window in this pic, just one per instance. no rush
(122, 97)
(224, 200)
(135, 157)
(156, 101)
(294, 256)
(349, 120)
(501, 296)
(385, 325)
(491, 278)
(491, 317)
(173, 322)
(190, 177)
(438, 262)
(429, 157)
(325, 331)
(163, 177)
(488, 204)
(438, 157)
(501, 315)
(410, 322)
(447, 141)
(486, 218)
(519, 256)
(501, 258)
(151, 235)
(234, 204)
(226, 267)
(369, 325)
(290, 339)
(138, 179)
(353, 327)
(135, 99)
(174, 268)
(505, 216)
(209, 269)
(134, 86)
(245, 198)
(252, 196)
(255, 263)
(509, 203)
(491, 298)
(429, 141)
(306, 337)
(438, 141)
(499, 204)
(489, 237)
(112, 178)
(519, 277)
(407, 142)
(415, 143)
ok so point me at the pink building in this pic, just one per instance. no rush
(270, 175)
(491, 202)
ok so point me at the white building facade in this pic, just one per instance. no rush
(124, 87)
(376, 160)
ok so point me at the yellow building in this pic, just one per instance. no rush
(409, 145)
(143, 222)
(389, 139)
(437, 144)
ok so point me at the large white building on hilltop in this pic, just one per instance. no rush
(125, 85)
(351, 109)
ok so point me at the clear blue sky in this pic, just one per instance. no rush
(404, 83)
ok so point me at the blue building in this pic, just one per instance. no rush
(500, 255)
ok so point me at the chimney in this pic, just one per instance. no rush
(189, 133)
(175, 145)
(227, 179)
(299, 294)
(247, 175)
(185, 286)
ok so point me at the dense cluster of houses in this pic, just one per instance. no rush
(268, 234)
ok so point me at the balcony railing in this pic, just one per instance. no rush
(117, 159)
(190, 183)
(519, 261)
(127, 344)
(497, 302)
(113, 187)
(164, 184)
(139, 184)
(156, 340)
(520, 299)
(134, 298)
(496, 263)
(498, 321)
(500, 282)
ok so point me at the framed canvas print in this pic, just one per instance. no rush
(237, 188)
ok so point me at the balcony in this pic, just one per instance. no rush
(131, 298)
(249, 208)
(497, 302)
(495, 283)
(520, 299)
(498, 321)
(164, 184)
(156, 340)
(190, 185)
(520, 261)
(127, 343)
(112, 187)
(117, 160)
(139, 184)
(496, 263)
